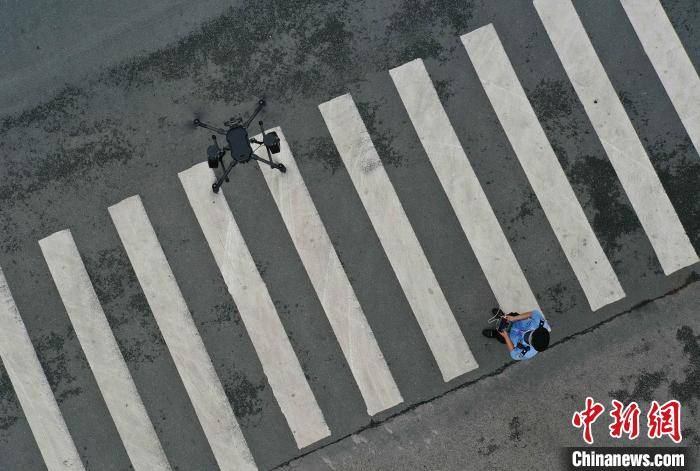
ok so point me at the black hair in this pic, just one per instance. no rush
(540, 339)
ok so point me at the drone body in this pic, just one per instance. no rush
(238, 144)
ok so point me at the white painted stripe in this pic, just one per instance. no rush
(279, 362)
(543, 171)
(670, 60)
(616, 133)
(181, 336)
(332, 286)
(32, 389)
(397, 237)
(462, 187)
(102, 352)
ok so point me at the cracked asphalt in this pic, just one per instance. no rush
(89, 119)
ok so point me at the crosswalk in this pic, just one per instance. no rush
(332, 286)
(616, 133)
(280, 363)
(32, 388)
(462, 187)
(543, 170)
(669, 59)
(184, 342)
(411, 266)
(102, 352)
(400, 244)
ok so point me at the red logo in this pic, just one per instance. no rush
(625, 420)
(665, 420)
(586, 417)
(662, 420)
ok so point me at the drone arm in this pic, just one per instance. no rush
(223, 177)
(269, 160)
(260, 106)
(265, 161)
(201, 124)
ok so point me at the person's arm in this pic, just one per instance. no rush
(519, 317)
(509, 342)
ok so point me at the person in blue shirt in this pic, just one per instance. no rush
(526, 334)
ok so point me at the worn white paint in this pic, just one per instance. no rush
(616, 133)
(181, 336)
(32, 389)
(462, 187)
(332, 286)
(397, 237)
(540, 164)
(279, 362)
(670, 60)
(102, 352)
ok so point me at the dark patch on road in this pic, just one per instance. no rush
(312, 48)
(10, 242)
(595, 179)
(382, 137)
(641, 349)
(688, 389)
(679, 169)
(262, 267)
(10, 410)
(526, 208)
(554, 102)
(110, 275)
(414, 26)
(138, 351)
(630, 106)
(644, 388)
(488, 449)
(688, 16)
(51, 349)
(35, 174)
(444, 89)
(515, 428)
(126, 307)
(243, 395)
(559, 299)
(322, 149)
(225, 312)
(65, 103)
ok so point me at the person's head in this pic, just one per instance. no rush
(539, 339)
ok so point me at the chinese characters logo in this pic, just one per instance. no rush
(662, 420)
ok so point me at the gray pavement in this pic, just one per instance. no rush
(520, 416)
(120, 126)
(50, 46)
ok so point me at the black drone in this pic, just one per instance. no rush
(239, 145)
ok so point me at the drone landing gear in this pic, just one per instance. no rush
(239, 146)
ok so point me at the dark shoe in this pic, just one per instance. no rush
(497, 311)
(493, 334)
(490, 333)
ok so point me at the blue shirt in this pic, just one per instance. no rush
(517, 334)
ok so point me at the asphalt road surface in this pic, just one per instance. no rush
(443, 158)
(520, 417)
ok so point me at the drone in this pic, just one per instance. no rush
(239, 145)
